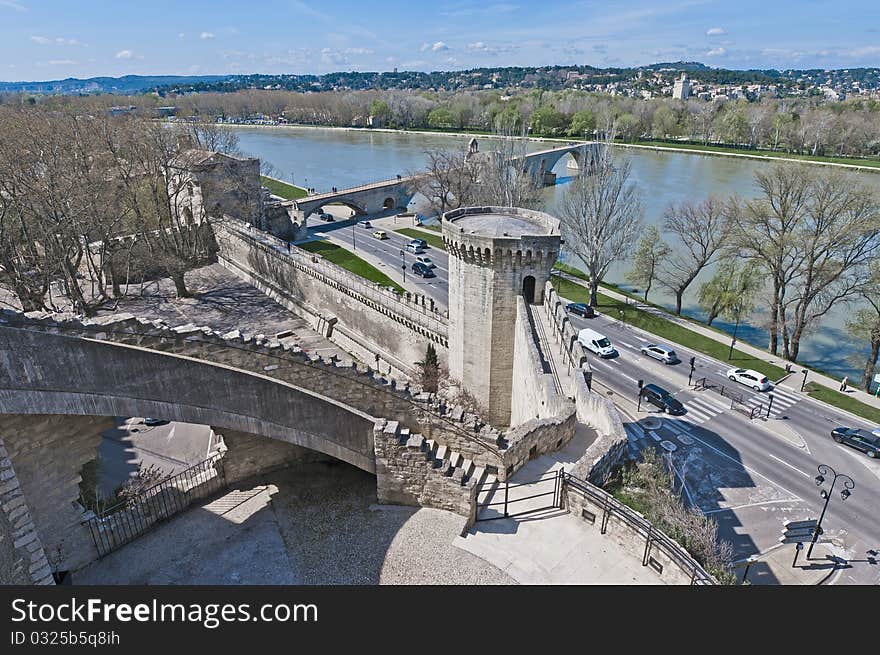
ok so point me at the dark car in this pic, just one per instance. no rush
(661, 398)
(423, 269)
(580, 309)
(863, 440)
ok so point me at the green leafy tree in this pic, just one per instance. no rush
(380, 109)
(583, 123)
(547, 121)
(441, 117)
(430, 370)
(865, 324)
(730, 292)
(650, 251)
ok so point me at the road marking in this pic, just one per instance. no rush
(782, 461)
(633, 380)
(765, 502)
(627, 344)
(602, 364)
(747, 468)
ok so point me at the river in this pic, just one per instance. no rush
(324, 158)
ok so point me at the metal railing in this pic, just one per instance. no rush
(653, 537)
(118, 525)
(706, 383)
(362, 187)
(556, 492)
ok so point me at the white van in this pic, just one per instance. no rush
(596, 343)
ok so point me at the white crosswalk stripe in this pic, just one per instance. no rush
(700, 410)
(782, 400)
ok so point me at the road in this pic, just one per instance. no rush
(751, 475)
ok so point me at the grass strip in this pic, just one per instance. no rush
(665, 329)
(350, 262)
(844, 402)
(434, 242)
(282, 189)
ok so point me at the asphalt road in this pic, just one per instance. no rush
(752, 475)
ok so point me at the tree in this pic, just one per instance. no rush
(601, 214)
(864, 324)
(429, 370)
(379, 109)
(501, 177)
(448, 181)
(583, 123)
(547, 121)
(649, 253)
(730, 292)
(211, 136)
(701, 229)
(441, 118)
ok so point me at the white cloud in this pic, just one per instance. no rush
(181, 35)
(124, 54)
(438, 46)
(12, 4)
(206, 35)
(716, 31)
(62, 62)
(42, 40)
(716, 52)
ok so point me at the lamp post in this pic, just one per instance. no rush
(403, 263)
(804, 383)
(848, 484)
(354, 244)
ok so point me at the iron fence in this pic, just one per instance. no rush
(548, 484)
(118, 525)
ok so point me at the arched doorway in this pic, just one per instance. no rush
(388, 204)
(528, 289)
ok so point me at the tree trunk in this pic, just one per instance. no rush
(647, 290)
(678, 295)
(773, 345)
(871, 363)
(180, 285)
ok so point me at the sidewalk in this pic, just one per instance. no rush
(758, 353)
(774, 566)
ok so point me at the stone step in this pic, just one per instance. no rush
(467, 467)
(455, 459)
(441, 453)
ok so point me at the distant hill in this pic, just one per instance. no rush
(129, 84)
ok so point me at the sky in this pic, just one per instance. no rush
(53, 39)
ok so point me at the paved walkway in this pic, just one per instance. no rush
(552, 546)
(754, 351)
(774, 566)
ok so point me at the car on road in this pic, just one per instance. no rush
(596, 343)
(423, 259)
(867, 442)
(380, 234)
(423, 270)
(750, 378)
(658, 351)
(367, 225)
(415, 248)
(324, 216)
(659, 397)
(580, 309)
(148, 420)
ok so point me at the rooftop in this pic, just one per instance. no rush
(500, 222)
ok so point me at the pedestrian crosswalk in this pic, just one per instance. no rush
(782, 400)
(702, 408)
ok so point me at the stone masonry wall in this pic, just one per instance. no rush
(331, 297)
(247, 455)
(22, 558)
(48, 453)
(404, 476)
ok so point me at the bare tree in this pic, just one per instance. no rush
(211, 136)
(701, 229)
(502, 176)
(449, 180)
(601, 215)
(649, 255)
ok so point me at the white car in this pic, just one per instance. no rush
(426, 261)
(750, 378)
(658, 351)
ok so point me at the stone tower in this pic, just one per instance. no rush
(495, 254)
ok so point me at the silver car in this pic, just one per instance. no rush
(658, 351)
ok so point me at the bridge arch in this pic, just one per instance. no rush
(358, 209)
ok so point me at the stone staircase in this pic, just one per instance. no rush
(443, 460)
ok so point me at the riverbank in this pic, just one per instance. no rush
(870, 166)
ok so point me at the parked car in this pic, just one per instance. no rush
(423, 259)
(380, 234)
(367, 225)
(750, 378)
(421, 269)
(661, 398)
(867, 442)
(658, 351)
(148, 420)
(324, 216)
(596, 343)
(580, 309)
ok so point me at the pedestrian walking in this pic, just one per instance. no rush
(288, 246)
(843, 383)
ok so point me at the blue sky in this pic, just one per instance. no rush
(50, 39)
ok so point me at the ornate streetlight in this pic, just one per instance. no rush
(848, 485)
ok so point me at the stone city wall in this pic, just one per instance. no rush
(361, 317)
(22, 557)
(48, 452)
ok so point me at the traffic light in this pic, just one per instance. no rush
(693, 363)
(641, 383)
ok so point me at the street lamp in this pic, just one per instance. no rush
(737, 310)
(848, 484)
(804, 383)
(353, 237)
(403, 263)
